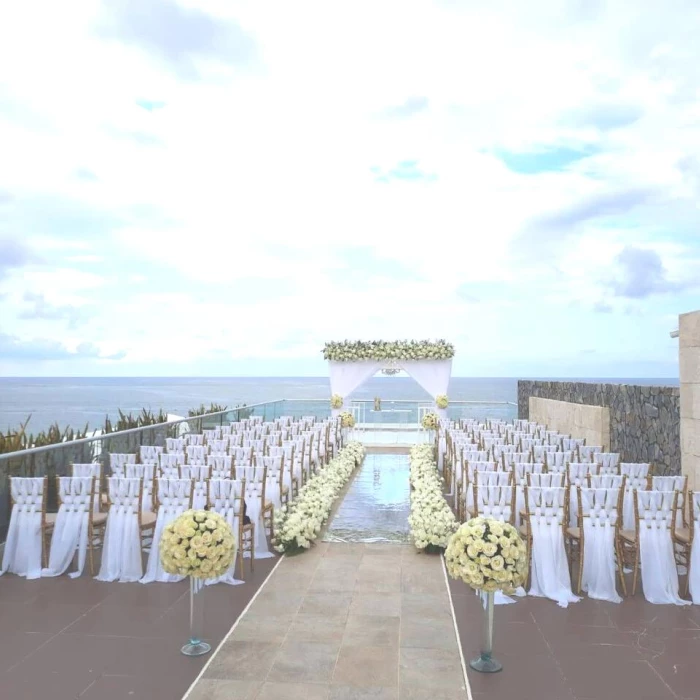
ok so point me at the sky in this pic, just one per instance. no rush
(219, 187)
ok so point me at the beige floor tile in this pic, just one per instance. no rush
(367, 666)
(242, 660)
(428, 633)
(381, 581)
(384, 604)
(418, 582)
(304, 662)
(263, 628)
(425, 605)
(430, 668)
(293, 581)
(207, 689)
(317, 628)
(348, 692)
(412, 693)
(372, 631)
(330, 581)
(294, 691)
(326, 604)
(277, 602)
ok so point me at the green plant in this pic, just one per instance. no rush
(203, 410)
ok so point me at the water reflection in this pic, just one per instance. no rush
(376, 506)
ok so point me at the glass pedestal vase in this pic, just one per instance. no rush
(196, 647)
(485, 663)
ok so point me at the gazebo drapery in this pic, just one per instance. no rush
(431, 368)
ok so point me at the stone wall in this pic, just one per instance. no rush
(644, 420)
(578, 420)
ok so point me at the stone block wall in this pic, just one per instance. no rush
(644, 420)
(575, 419)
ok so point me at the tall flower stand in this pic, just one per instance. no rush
(196, 647)
(485, 663)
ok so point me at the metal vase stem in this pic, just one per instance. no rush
(485, 663)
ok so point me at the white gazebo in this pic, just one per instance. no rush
(352, 363)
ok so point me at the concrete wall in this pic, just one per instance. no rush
(575, 419)
(689, 363)
(644, 421)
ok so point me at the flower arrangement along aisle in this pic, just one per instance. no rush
(347, 420)
(198, 544)
(430, 421)
(431, 520)
(336, 401)
(298, 526)
(488, 555)
(442, 401)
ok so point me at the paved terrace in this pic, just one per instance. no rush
(65, 639)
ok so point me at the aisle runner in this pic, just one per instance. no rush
(343, 616)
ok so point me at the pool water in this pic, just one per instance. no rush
(376, 506)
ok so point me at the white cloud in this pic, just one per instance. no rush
(261, 169)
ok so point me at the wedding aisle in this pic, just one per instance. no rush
(343, 621)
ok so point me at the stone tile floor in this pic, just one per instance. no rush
(589, 651)
(343, 622)
(64, 638)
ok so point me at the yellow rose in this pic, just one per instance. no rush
(207, 538)
(484, 560)
(491, 586)
(496, 529)
(206, 566)
(490, 549)
(179, 553)
(196, 542)
(211, 524)
(200, 516)
(504, 542)
(497, 563)
(472, 551)
(479, 545)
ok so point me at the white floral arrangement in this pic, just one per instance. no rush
(336, 401)
(198, 543)
(488, 555)
(431, 520)
(347, 420)
(430, 421)
(297, 527)
(442, 401)
(357, 351)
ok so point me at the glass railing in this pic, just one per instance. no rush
(55, 460)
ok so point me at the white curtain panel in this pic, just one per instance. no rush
(432, 375)
(347, 376)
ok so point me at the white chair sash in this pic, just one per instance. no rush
(121, 553)
(22, 555)
(225, 499)
(694, 568)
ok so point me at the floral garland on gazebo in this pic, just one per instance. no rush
(358, 351)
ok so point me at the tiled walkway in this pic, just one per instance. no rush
(343, 622)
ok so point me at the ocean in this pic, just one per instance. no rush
(80, 400)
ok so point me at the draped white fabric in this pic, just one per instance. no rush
(72, 526)
(347, 376)
(174, 497)
(22, 555)
(657, 560)
(224, 499)
(121, 554)
(694, 570)
(550, 568)
(432, 375)
(599, 508)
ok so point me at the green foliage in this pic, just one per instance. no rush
(203, 410)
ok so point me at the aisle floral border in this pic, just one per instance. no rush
(297, 526)
(359, 350)
(431, 520)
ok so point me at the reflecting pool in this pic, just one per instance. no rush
(376, 506)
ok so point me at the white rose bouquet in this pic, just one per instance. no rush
(487, 555)
(431, 520)
(198, 543)
(430, 421)
(442, 401)
(347, 420)
(336, 401)
(297, 526)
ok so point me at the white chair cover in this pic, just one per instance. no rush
(121, 553)
(254, 508)
(600, 515)
(193, 439)
(657, 560)
(607, 481)
(22, 555)
(608, 462)
(90, 469)
(149, 453)
(636, 474)
(71, 529)
(549, 480)
(550, 570)
(200, 473)
(174, 444)
(174, 498)
(224, 498)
